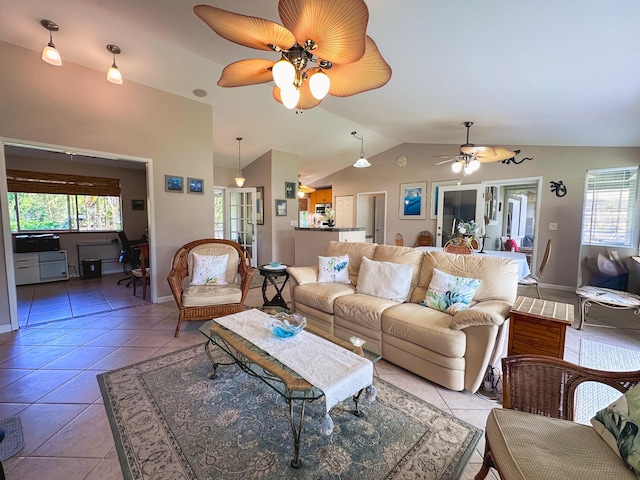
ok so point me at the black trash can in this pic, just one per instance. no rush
(91, 268)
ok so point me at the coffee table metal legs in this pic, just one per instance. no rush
(296, 429)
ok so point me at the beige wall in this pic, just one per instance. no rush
(73, 106)
(568, 164)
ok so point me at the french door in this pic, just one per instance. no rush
(241, 219)
(458, 203)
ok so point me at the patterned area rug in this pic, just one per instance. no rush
(591, 396)
(170, 421)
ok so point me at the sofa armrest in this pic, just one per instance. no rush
(490, 312)
(303, 275)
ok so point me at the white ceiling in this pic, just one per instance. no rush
(527, 73)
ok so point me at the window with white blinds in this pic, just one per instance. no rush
(610, 207)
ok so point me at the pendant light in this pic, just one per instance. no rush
(113, 74)
(239, 179)
(50, 54)
(361, 162)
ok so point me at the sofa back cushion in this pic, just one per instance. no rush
(499, 275)
(355, 250)
(217, 249)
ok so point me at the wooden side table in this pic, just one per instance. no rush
(538, 327)
(271, 274)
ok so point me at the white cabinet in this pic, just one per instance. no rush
(39, 267)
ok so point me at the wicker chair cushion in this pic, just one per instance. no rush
(203, 295)
(217, 249)
(532, 447)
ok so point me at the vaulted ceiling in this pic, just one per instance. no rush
(527, 73)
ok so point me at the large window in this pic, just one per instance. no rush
(218, 212)
(610, 207)
(43, 202)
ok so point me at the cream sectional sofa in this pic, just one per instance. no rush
(451, 350)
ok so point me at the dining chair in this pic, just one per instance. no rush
(533, 280)
(399, 240)
(142, 273)
(424, 239)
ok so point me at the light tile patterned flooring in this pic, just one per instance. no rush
(48, 376)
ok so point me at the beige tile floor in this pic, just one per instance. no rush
(48, 377)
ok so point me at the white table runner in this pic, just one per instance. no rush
(338, 372)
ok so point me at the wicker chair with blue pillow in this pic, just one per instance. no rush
(534, 436)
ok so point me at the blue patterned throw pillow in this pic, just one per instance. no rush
(449, 293)
(333, 269)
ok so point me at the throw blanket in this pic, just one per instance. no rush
(338, 372)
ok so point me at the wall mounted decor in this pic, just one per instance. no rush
(558, 188)
(413, 201)
(137, 204)
(196, 185)
(289, 190)
(514, 161)
(281, 208)
(260, 205)
(173, 184)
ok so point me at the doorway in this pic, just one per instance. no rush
(372, 215)
(457, 203)
(241, 220)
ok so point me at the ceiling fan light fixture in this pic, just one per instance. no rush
(50, 54)
(474, 165)
(319, 84)
(456, 167)
(290, 96)
(283, 73)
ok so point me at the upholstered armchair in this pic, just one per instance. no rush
(203, 302)
(534, 436)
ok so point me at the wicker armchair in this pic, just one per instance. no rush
(545, 386)
(206, 302)
(459, 245)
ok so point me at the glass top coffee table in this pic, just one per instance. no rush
(259, 364)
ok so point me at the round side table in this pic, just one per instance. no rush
(271, 276)
(608, 298)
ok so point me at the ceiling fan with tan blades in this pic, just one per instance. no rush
(323, 47)
(471, 155)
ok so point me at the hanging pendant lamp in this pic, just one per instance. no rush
(361, 162)
(50, 54)
(239, 179)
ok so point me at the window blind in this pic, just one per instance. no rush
(43, 182)
(610, 207)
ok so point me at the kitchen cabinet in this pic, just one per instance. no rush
(40, 267)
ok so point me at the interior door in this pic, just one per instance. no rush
(458, 203)
(241, 220)
(344, 211)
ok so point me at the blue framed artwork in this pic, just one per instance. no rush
(173, 184)
(196, 185)
(413, 201)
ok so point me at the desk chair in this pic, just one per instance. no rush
(143, 273)
(129, 255)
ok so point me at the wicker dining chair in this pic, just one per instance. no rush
(541, 386)
(458, 245)
(424, 239)
(399, 240)
(202, 305)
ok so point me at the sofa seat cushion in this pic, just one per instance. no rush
(529, 446)
(425, 327)
(321, 296)
(202, 295)
(361, 309)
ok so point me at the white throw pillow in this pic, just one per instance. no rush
(385, 279)
(209, 269)
(333, 269)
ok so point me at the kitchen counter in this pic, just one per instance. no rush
(312, 242)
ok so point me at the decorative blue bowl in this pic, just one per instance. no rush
(274, 264)
(285, 325)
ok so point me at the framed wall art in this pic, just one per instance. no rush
(173, 184)
(260, 205)
(195, 185)
(289, 190)
(281, 208)
(433, 209)
(137, 204)
(413, 201)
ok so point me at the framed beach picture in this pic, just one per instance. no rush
(289, 190)
(433, 208)
(173, 184)
(196, 185)
(413, 201)
(281, 208)
(260, 205)
(137, 204)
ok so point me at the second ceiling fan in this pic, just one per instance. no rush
(471, 155)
